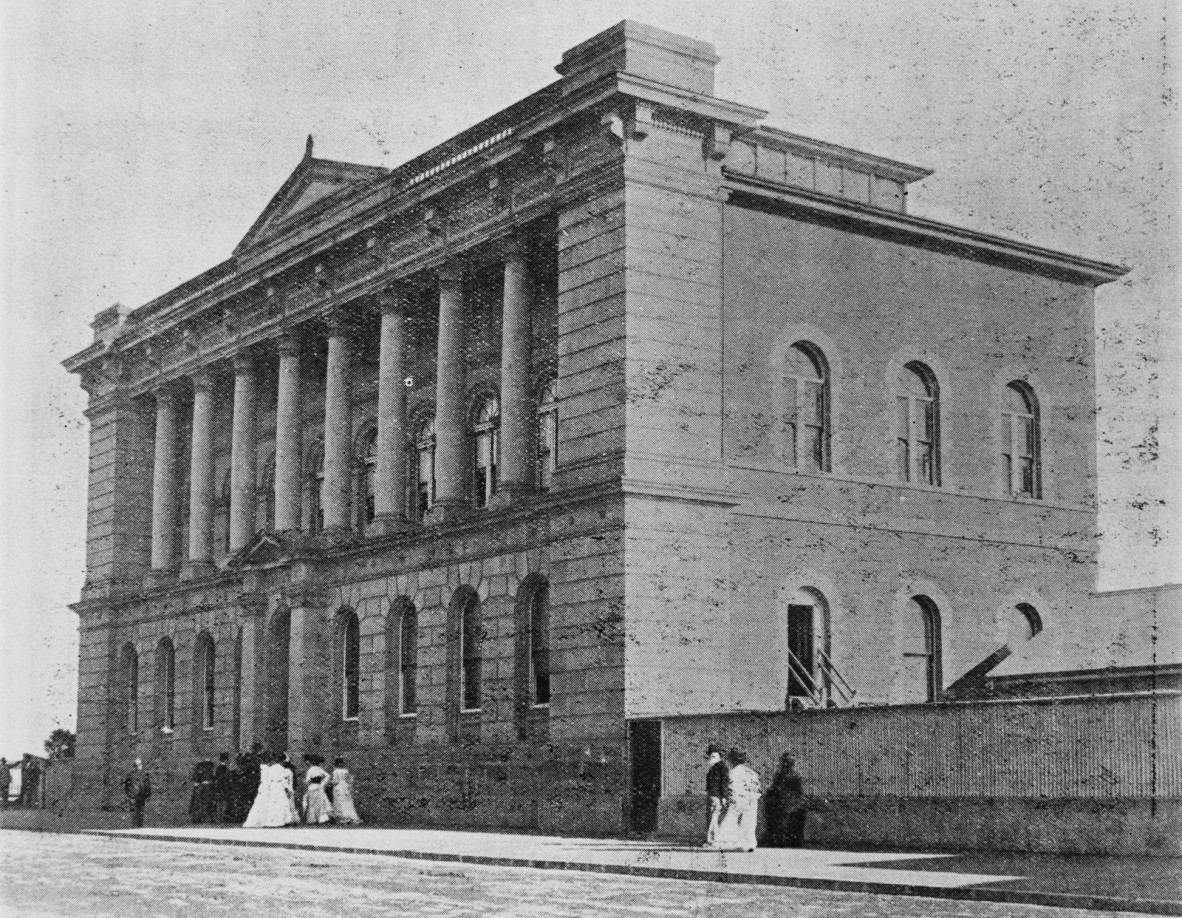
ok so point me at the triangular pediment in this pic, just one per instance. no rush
(313, 181)
(264, 549)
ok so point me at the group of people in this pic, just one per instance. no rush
(326, 798)
(734, 789)
(258, 789)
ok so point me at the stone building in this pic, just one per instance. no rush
(615, 406)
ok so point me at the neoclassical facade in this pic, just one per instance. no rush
(616, 405)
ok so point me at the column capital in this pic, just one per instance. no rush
(514, 247)
(243, 362)
(202, 380)
(450, 273)
(165, 394)
(392, 299)
(289, 344)
(340, 322)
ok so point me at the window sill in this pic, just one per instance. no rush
(470, 710)
(351, 720)
(167, 731)
(545, 706)
(409, 716)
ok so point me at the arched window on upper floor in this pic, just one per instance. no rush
(806, 434)
(129, 671)
(205, 682)
(423, 497)
(922, 660)
(349, 638)
(1020, 441)
(265, 496)
(222, 515)
(314, 488)
(367, 453)
(165, 685)
(486, 447)
(547, 462)
(917, 425)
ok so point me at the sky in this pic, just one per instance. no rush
(140, 141)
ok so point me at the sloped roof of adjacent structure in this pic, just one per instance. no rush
(1131, 629)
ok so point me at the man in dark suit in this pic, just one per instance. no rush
(223, 789)
(138, 788)
(717, 774)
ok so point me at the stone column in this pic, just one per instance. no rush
(312, 700)
(288, 437)
(242, 453)
(390, 462)
(164, 483)
(338, 427)
(517, 408)
(201, 484)
(450, 500)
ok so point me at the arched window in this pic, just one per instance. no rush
(806, 408)
(539, 644)
(367, 452)
(314, 488)
(424, 467)
(350, 637)
(923, 662)
(471, 637)
(1022, 623)
(205, 663)
(1020, 438)
(547, 434)
(917, 425)
(130, 670)
(265, 497)
(485, 449)
(165, 685)
(408, 659)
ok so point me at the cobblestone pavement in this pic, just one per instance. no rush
(122, 877)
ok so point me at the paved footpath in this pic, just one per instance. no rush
(133, 875)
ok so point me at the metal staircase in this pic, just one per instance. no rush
(824, 688)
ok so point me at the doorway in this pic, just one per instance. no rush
(644, 749)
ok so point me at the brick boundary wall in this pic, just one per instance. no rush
(1097, 775)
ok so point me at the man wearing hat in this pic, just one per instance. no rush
(717, 776)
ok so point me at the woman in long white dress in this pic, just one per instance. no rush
(274, 805)
(317, 809)
(343, 810)
(736, 828)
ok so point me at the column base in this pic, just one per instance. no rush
(337, 535)
(449, 511)
(196, 570)
(511, 494)
(160, 577)
(387, 525)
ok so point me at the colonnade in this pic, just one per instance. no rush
(390, 485)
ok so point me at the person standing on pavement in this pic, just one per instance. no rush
(223, 789)
(717, 771)
(736, 829)
(137, 786)
(5, 782)
(343, 810)
(784, 807)
(317, 808)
